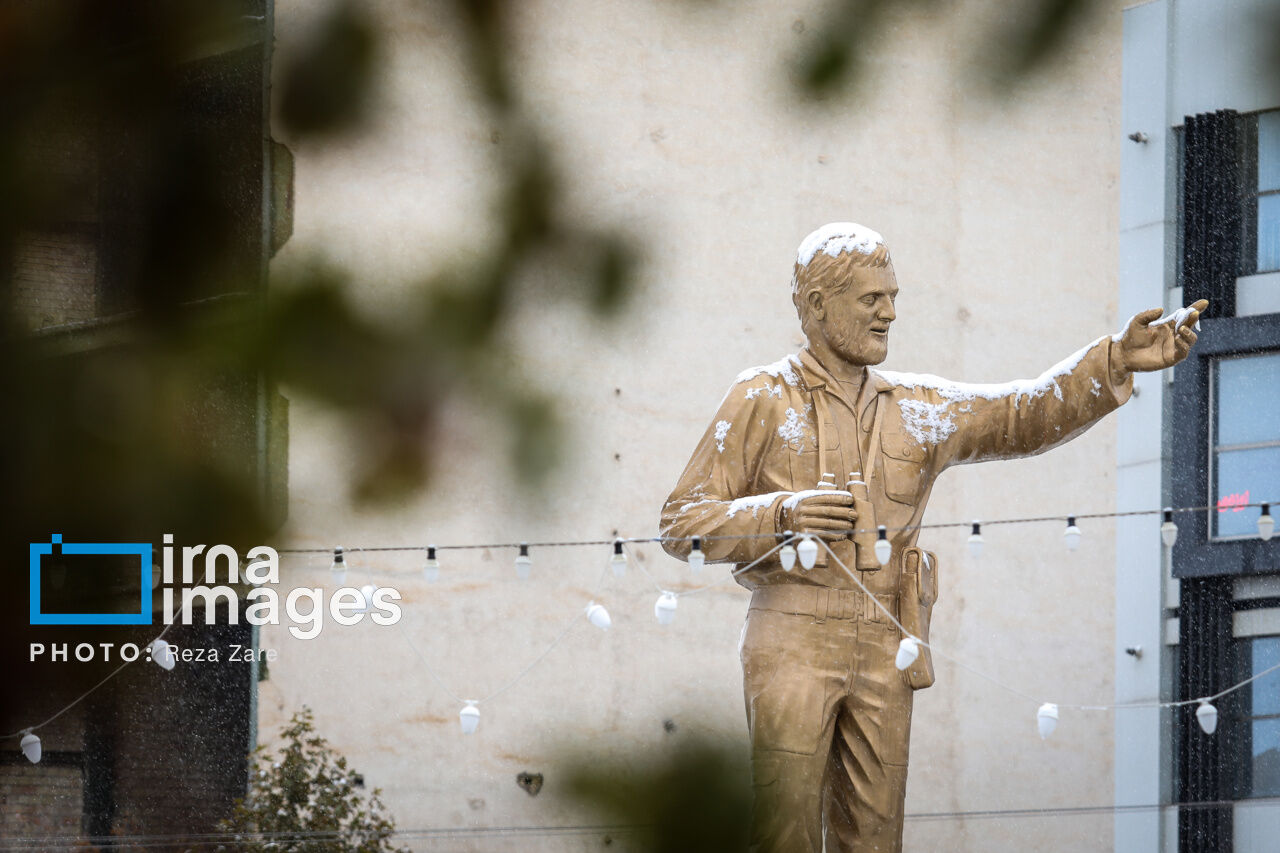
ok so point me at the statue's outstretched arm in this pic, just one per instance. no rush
(1031, 416)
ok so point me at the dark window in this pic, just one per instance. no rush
(1256, 718)
(1246, 441)
(1225, 446)
(1261, 193)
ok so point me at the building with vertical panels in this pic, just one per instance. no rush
(1200, 218)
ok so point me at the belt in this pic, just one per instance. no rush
(821, 602)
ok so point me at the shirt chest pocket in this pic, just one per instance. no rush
(807, 466)
(902, 464)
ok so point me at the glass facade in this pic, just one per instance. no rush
(1268, 190)
(1259, 719)
(1246, 441)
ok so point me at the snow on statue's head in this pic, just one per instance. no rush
(826, 257)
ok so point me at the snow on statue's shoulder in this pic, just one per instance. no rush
(783, 368)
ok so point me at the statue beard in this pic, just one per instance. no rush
(856, 349)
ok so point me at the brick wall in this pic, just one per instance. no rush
(44, 800)
(55, 274)
(54, 278)
(151, 753)
(40, 801)
(180, 739)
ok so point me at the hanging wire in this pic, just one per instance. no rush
(512, 682)
(731, 576)
(85, 695)
(658, 540)
(1010, 688)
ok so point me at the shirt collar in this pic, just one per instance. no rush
(816, 376)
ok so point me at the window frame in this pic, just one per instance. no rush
(1250, 194)
(1236, 710)
(1197, 553)
(1211, 483)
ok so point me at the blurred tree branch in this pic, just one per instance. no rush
(132, 130)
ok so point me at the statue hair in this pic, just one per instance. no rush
(830, 275)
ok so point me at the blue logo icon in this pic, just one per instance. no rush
(141, 549)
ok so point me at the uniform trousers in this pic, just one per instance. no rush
(830, 719)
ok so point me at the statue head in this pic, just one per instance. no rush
(843, 288)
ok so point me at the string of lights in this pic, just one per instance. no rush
(1265, 520)
(596, 614)
(1047, 714)
(158, 650)
(788, 547)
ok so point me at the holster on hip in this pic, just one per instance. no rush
(917, 591)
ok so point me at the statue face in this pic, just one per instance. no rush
(854, 324)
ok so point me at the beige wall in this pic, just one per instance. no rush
(677, 122)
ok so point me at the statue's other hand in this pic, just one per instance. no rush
(1149, 343)
(830, 516)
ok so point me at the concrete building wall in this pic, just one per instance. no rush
(1181, 58)
(677, 122)
(1147, 271)
(1218, 52)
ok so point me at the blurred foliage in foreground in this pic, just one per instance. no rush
(698, 798)
(305, 800)
(140, 351)
(144, 199)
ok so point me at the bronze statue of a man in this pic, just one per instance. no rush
(819, 443)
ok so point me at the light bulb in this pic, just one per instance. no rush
(665, 608)
(1168, 530)
(338, 569)
(524, 563)
(598, 616)
(696, 557)
(975, 541)
(1266, 524)
(366, 598)
(618, 562)
(884, 548)
(1072, 534)
(162, 654)
(31, 747)
(431, 568)
(908, 651)
(469, 717)
(787, 554)
(807, 551)
(1207, 717)
(1047, 719)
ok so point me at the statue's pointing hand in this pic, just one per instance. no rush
(1149, 343)
(829, 514)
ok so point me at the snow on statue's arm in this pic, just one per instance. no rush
(975, 422)
(715, 496)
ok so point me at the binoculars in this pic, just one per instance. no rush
(864, 535)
